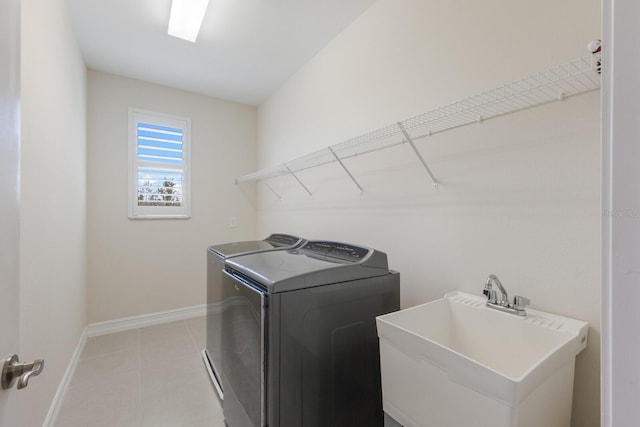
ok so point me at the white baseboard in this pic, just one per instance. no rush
(109, 327)
(58, 398)
(135, 322)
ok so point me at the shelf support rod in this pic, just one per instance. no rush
(413, 145)
(272, 190)
(345, 169)
(297, 179)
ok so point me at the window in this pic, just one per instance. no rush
(158, 165)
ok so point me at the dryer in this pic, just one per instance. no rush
(216, 255)
(300, 346)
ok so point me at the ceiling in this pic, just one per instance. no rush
(245, 50)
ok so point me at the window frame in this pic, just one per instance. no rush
(136, 116)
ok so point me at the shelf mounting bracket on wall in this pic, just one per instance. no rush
(297, 179)
(345, 169)
(415, 149)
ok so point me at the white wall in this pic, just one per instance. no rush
(145, 266)
(519, 195)
(53, 203)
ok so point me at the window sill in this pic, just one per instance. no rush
(160, 217)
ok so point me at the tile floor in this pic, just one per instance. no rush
(151, 376)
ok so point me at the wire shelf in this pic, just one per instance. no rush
(555, 84)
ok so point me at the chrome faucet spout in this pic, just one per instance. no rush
(504, 300)
(503, 303)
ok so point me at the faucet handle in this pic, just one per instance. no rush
(491, 295)
(519, 302)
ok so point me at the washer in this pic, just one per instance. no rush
(300, 346)
(216, 255)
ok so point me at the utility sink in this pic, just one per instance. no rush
(456, 362)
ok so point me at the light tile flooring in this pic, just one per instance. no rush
(151, 376)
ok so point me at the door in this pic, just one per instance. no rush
(9, 191)
(243, 352)
(621, 214)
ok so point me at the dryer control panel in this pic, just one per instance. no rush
(337, 250)
(284, 239)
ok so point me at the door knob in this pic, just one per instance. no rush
(13, 370)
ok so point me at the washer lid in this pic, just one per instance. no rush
(274, 241)
(315, 263)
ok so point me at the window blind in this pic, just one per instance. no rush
(156, 146)
(159, 143)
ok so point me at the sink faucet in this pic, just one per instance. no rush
(503, 304)
(504, 298)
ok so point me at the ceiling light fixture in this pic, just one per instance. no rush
(186, 18)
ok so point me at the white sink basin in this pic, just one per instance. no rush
(455, 362)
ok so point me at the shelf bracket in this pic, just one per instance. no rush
(345, 169)
(297, 179)
(413, 145)
(272, 190)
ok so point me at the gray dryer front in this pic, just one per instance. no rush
(300, 346)
(215, 264)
